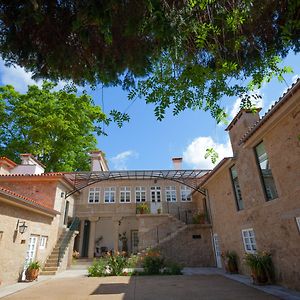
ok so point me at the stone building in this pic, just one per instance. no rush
(254, 196)
(34, 214)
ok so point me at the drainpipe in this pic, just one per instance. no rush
(211, 222)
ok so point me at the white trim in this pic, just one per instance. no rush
(92, 194)
(185, 194)
(43, 242)
(249, 240)
(171, 192)
(127, 191)
(298, 223)
(140, 190)
(110, 191)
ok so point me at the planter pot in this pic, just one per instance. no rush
(32, 274)
(259, 278)
(231, 267)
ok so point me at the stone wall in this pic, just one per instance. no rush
(13, 247)
(191, 247)
(272, 221)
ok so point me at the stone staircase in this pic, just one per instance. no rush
(160, 233)
(54, 260)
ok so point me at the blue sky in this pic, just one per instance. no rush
(144, 142)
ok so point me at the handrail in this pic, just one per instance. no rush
(66, 239)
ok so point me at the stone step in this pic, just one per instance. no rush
(50, 268)
(51, 264)
(48, 273)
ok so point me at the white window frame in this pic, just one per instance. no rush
(43, 242)
(249, 240)
(298, 223)
(171, 193)
(111, 193)
(185, 194)
(94, 194)
(125, 193)
(140, 193)
(155, 194)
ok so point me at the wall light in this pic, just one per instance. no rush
(21, 225)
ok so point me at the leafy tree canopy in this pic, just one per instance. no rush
(176, 54)
(47, 124)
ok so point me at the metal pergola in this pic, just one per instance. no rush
(190, 178)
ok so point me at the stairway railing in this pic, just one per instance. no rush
(66, 239)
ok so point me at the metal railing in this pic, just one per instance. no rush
(66, 239)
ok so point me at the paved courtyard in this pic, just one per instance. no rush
(142, 288)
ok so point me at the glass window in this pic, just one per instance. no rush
(249, 240)
(171, 193)
(298, 222)
(94, 195)
(185, 193)
(266, 173)
(140, 194)
(109, 194)
(237, 189)
(125, 194)
(155, 194)
(43, 242)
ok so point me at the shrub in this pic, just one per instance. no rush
(173, 269)
(153, 262)
(116, 263)
(261, 266)
(98, 268)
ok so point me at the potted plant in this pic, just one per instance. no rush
(142, 208)
(199, 218)
(230, 262)
(32, 271)
(159, 210)
(261, 265)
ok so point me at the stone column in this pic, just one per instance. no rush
(92, 238)
(81, 233)
(116, 234)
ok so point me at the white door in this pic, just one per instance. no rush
(31, 250)
(134, 241)
(217, 250)
(156, 206)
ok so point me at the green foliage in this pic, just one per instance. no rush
(111, 265)
(172, 268)
(98, 268)
(116, 263)
(142, 208)
(199, 218)
(211, 152)
(57, 127)
(175, 54)
(34, 265)
(153, 263)
(261, 264)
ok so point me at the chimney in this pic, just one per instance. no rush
(29, 165)
(177, 163)
(98, 161)
(240, 124)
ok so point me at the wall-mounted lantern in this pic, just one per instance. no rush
(21, 226)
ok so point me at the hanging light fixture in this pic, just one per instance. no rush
(21, 226)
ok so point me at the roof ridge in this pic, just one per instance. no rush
(251, 129)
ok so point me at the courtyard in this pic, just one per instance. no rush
(213, 286)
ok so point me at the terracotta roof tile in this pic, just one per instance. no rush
(27, 199)
(8, 161)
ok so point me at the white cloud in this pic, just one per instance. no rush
(195, 152)
(257, 102)
(20, 79)
(17, 76)
(120, 160)
(295, 77)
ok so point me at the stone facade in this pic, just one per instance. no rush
(273, 221)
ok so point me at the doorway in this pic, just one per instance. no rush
(86, 238)
(217, 250)
(31, 250)
(156, 206)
